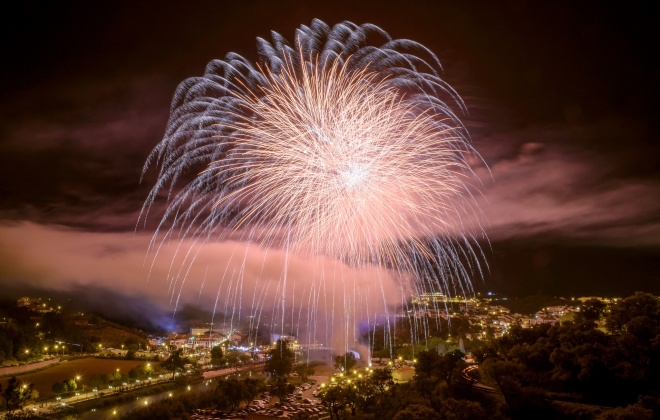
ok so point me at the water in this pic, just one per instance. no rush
(115, 411)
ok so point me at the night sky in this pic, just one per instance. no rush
(561, 98)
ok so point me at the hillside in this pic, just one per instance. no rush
(43, 328)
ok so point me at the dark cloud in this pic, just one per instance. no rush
(548, 180)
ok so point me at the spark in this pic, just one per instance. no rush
(330, 148)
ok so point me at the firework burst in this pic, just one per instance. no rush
(341, 146)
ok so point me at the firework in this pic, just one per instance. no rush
(343, 145)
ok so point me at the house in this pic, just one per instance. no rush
(178, 341)
(208, 342)
(403, 374)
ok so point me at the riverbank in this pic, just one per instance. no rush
(112, 401)
(86, 367)
(111, 407)
(90, 400)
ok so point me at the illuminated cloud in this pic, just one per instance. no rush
(321, 293)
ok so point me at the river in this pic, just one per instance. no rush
(120, 409)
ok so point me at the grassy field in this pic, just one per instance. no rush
(44, 379)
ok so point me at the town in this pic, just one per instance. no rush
(39, 336)
(487, 316)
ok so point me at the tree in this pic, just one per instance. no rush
(6, 347)
(16, 395)
(232, 357)
(462, 410)
(134, 373)
(590, 311)
(70, 385)
(233, 390)
(504, 374)
(175, 362)
(280, 387)
(334, 398)
(244, 357)
(382, 379)
(450, 363)
(58, 388)
(216, 355)
(280, 359)
(115, 377)
(251, 388)
(345, 362)
(486, 351)
(426, 372)
(99, 381)
(147, 369)
(304, 370)
(133, 343)
(639, 304)
(417, 412)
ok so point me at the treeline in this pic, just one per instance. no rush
(228, 394)
(606, 356)
(116, 378)
(26, 335)
(19, 334)
(436, 392)
(428, 333)
(603, 365)
(15, 395)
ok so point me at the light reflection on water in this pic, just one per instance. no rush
(117, 410)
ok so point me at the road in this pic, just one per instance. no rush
(230, 371)
(466, 374)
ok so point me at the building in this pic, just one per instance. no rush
(178, 341)
(23, 301)
(291, 340)
(199, 331)
(403, 374)
(207, 341)
(33, 304)
(437, 297)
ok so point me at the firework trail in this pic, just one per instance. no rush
(342, 146)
